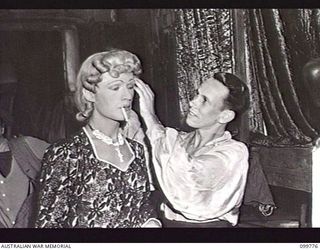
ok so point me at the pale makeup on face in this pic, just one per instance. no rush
(113, 94)
(112, 99)
(116, 84)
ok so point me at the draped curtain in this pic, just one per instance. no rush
(204, 46)
(280, 43)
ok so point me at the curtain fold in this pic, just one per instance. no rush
(280, 43)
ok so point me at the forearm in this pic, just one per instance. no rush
(146, 102)
(151, 120)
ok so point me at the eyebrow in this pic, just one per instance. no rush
(203, 94)
(118, 80)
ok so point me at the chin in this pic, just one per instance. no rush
(117, 119)
(191, 123)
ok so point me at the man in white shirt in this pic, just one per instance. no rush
(202, 173)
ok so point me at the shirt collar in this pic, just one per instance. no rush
(225, 137)
(189, 142)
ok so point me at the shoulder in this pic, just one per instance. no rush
(37, 146)
(235, 150)
(238, 145)
(231, 149)
(62, 156)
(4, 144)
(65, 146)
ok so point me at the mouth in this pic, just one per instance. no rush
(192, 113)
(126, 107)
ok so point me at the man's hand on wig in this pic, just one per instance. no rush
(146, 98)
(146, 102)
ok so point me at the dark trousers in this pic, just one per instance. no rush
(173, 223)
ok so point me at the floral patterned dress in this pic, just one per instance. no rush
(78, 190)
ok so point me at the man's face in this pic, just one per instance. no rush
(208, 105)
(113, 94)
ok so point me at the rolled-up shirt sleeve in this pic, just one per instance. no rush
(201, 187)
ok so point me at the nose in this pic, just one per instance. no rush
(127, 94)
(193, 102)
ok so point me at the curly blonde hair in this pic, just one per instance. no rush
(115, 62)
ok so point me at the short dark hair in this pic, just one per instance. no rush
(238, 98)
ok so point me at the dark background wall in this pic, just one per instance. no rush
(32, 41)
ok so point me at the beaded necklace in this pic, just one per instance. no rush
(108, 140)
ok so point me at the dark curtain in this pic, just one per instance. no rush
(280, 43)
(204, 46)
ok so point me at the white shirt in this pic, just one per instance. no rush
(203, 185)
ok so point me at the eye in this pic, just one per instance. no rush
(204, 99)
(195, 95)
(130, 86)
(114, 87)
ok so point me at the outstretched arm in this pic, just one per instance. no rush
(146, 102)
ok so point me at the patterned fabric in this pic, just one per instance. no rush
(280, 42)
(204, 46)
(80, 191)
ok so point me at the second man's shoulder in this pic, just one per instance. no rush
(238, 146)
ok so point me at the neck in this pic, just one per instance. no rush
(105, 125)
(204, 135)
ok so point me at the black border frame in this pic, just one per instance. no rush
(168, 235)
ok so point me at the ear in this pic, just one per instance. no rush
(88, 95)
(226, 116)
